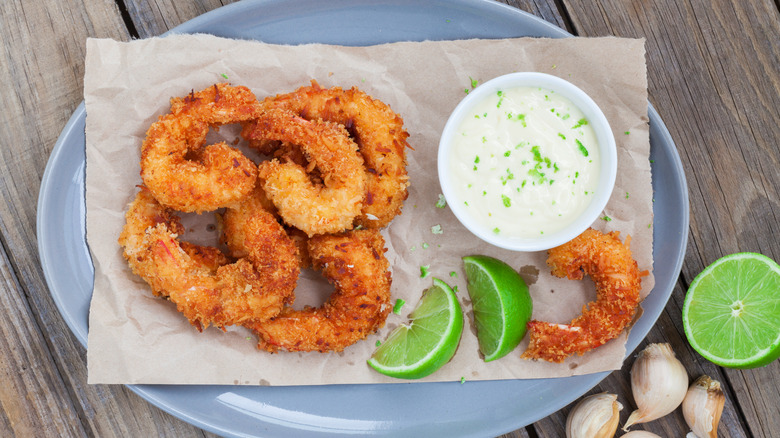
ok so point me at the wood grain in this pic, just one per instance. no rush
(718, 95)
(152, 18)
(44, 391)
(714, 77)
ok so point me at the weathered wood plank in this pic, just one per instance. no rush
(44, 369)
(718, 95)
(546, 9)
(33, 396)
(152, 18)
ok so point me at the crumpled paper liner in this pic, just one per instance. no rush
(136, 338)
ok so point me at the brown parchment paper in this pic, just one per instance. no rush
(136, 338)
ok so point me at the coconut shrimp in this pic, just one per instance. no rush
(355, 264)
(179, 170)
(609, 263)
(206, 288)
(379, 134)
(329, 207)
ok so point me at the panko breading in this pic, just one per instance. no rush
(379, 133)
(610, 265)
(354, 262)
(206, 288)
(330, 207)
(179, 170)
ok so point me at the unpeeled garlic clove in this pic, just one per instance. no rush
(702, 407)
(659, 383)
(595, 416)
(639, 434)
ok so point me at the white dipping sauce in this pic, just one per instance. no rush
(525, 162)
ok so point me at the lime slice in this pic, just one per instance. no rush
(429, 341)
(502, 305)
(731, 313)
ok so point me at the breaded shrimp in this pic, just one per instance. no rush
(312, 208)
(379, 134)
(355, 263)
(610, 265)
(205, 287)
(179, 170)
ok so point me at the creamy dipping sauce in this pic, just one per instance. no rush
(525, 162)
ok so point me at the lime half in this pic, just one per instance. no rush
(429, 341)
(731, 313)
(502, 305)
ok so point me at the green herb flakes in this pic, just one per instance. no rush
(436, 229)
(425, 271)
(441, 203)
(580, 122)
(582, 148)
(397, 307)
(506, 201)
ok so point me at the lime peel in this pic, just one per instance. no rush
(438, 317)
(731, 311)
(501, 302)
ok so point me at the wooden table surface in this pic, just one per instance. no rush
(714, 77)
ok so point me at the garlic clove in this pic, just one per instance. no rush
(702, 407)
(639, 434)
(659, 383)
(595, 416)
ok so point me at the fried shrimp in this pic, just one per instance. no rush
(312, 208)
(609, 263)
(355, 263)
(379, 134)
(179, 170)
(206, 288)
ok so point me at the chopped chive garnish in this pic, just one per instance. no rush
(425, 271)
(398, 304)
(507, 202)
(582, 148)
(441, 203)
(580, 122)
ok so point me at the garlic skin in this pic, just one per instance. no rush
(659, 383)
(702, 407)
(595, 416)
(639, 434)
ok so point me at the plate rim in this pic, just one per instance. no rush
(152, 393)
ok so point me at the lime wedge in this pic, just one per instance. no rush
(502, 305)
(731, 313)
(429, 341)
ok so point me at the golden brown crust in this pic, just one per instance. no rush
(312, 208)
(355, 264)
(610, 265)
(204, 287)
(379, 134)
(221, 174)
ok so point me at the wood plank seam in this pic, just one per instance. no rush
(567, 21)
(120, 4)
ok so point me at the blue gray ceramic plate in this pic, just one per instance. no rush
(486, 408)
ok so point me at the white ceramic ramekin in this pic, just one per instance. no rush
(607, 155)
